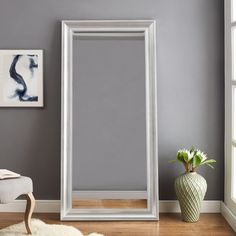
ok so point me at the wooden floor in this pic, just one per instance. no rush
(169, 224)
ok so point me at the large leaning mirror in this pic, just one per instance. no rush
(109, 121)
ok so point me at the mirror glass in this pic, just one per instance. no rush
(109, 165)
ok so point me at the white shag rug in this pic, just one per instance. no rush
(40, 228)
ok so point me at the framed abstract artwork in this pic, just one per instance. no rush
(21, 78)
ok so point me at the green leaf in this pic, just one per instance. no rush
(200, 157)
(185, 155)
(210, 161)
(210, 165)
(180, 157)
(196, 161)
(172, 161)
(192, 149)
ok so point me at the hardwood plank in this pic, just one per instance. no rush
(169, 225)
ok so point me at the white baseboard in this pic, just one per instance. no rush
(173, 206)
(47, 206)
(228, 215)
(53, 206)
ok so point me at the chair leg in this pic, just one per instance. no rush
(29, 211)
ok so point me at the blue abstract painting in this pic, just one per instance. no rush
(21, 78)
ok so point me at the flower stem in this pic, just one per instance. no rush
(186, 165)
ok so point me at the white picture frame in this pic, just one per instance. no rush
(21, 78)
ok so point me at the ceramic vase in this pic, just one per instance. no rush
(190, 189)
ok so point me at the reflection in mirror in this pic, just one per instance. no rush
(109, 165)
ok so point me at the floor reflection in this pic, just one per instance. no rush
(109, 203)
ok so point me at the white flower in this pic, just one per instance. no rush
(185, 153)
(202, 155)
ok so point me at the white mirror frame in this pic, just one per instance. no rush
(147, 28)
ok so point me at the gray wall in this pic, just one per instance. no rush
(190, 84)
